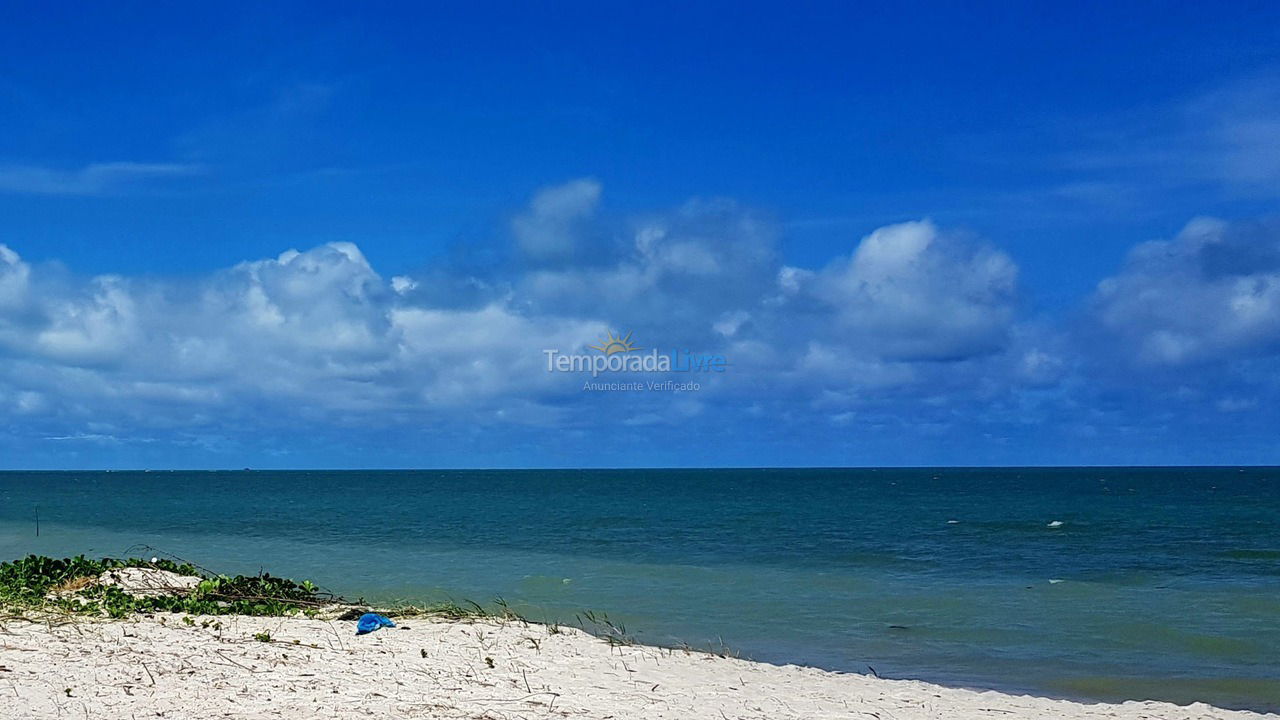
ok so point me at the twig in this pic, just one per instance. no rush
(233, 662)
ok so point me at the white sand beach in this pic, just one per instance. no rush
(160, 666)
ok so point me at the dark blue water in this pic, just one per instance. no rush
(1159, 583)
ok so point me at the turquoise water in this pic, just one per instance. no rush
(1159, 583)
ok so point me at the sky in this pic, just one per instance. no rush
(335, 235)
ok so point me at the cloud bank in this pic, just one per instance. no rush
(915, 330)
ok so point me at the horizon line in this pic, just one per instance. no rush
(655, 467)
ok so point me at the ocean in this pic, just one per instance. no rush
(1089, 583)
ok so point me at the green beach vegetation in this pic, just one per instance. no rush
(85, 587)
(76, 586)
(42, 588)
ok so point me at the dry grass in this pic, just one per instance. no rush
(71, 585)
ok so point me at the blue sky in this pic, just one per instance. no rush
(308, 235)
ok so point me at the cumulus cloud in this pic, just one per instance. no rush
(98, 327)
(551, 225)
(910, 292)
(14, 275)
(1210, 293)
(466, 357)
(674, 275)
(327, 300)
(319, 336)
(914, 327)
(315, 333)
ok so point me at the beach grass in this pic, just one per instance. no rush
(60, 590)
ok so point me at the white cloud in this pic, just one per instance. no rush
(97, 328)
(314, 332)
(671, 276)
(910, 292)
(463, 357)
(914, 326)
(729, 323)
(14, 276)
(93, 179)
(1227, 138)
(403, 284)
(321, 336)
(324, 300)
(548, 228)
(1211, 292)
(1038, 367)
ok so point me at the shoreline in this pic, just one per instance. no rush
(240, 667)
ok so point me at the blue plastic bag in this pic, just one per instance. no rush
(372, 621)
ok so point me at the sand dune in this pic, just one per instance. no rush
(163, 667)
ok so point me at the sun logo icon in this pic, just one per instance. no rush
(613, 345)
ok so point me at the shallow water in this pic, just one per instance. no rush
(1160, 573)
